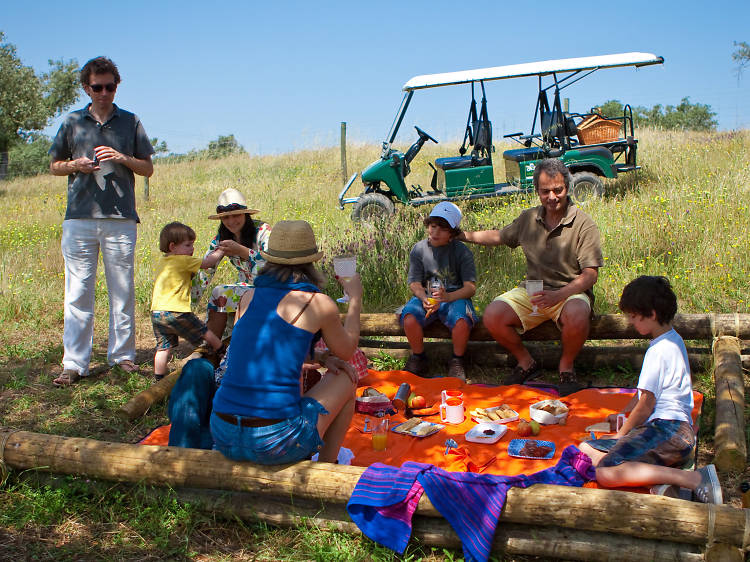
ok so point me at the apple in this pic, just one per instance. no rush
(418, 402)
(410, 400)
(535, 427)
(524, 428)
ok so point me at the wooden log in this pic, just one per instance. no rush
(603, 327)
(141, 402)
(729, 427)
(607, 511)
(510, 538)
(490, 354)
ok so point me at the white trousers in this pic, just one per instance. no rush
(82, 239)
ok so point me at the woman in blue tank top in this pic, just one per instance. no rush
(259, 412)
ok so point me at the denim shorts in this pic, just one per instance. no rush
(661, 442)
(288, 441)
(449, 313)
(170, 326)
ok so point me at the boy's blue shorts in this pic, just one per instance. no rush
(291, 440)
(449, 312)
(661, 442)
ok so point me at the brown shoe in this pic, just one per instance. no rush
(519, 375)
(569, 383)
(456, 368)
(417, 365)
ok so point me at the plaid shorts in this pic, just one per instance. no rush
(661, 442)
(170, 326)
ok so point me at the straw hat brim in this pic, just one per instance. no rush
(309, 258)
(236, 212)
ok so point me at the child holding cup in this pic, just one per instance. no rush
(440, 257)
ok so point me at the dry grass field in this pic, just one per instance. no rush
(686, 217)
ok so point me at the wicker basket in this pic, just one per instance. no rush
(594, 130)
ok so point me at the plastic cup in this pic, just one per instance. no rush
(345, 266)
(380, 435)
(452, 411)
(533, 287)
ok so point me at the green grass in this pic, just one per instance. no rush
(685, 218)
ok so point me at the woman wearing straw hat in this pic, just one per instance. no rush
(259, 411)
(241, 239)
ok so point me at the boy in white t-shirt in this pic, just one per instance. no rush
(657, 435)
(170, 302)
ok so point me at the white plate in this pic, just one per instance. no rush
(514, 417)
(476, 434)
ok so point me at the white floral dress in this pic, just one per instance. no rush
(225, 298)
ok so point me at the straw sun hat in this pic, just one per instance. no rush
(231, 202)
(290, 243)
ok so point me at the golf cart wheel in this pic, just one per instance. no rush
(585, 187)
(371, 206)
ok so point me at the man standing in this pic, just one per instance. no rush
(99, 148)
(562, 248)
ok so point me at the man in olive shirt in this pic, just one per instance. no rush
(99, 148)
(562, 248)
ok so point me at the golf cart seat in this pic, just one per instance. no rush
(555, 125)
(457, 162)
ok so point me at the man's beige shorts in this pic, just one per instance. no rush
(518, 300)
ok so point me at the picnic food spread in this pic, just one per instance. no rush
(489, 454)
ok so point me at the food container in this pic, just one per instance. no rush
(480, 433)
(549, 412)
(508, 414)
(374, 405)
(517, 448)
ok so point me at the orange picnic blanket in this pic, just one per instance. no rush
(586, 407)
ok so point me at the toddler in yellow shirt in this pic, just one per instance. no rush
(170, 303)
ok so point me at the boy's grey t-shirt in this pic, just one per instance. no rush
(452, 263)
(109, 192)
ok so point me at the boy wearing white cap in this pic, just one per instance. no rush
(442, 276)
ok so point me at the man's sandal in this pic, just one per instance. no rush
(128, 366)
(68, 377)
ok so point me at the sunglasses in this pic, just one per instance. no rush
(232, 207)
(111, 87)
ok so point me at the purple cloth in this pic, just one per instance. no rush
(384, 499)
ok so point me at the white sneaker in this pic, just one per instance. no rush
(709, 490)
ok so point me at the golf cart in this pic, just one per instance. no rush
(591, 145)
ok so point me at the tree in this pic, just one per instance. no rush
(741, 56)
(685, 116)
(29, 101)
(224, 146)
(29, 157)
(160, 147)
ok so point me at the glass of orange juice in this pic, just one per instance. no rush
(380, 435)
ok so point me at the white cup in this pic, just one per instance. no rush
(533, 287)
(452, 411)
(451, 394)
(345, 266)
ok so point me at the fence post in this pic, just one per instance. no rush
(343, 152)
(566, 105)
(145, 187)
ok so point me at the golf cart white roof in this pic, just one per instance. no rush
(532, 69)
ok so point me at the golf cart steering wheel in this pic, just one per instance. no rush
(425, 135)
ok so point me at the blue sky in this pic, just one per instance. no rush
(281, 76)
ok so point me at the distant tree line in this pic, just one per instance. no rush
(683, 117)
